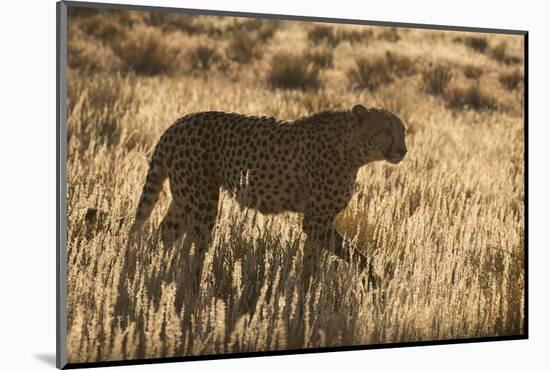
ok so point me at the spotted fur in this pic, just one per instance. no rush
(307, 166)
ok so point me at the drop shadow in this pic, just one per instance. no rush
(47, 358)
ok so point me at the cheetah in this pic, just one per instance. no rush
(307, 166)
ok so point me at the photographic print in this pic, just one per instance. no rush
(242, 184)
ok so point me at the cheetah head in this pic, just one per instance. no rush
(379, 135)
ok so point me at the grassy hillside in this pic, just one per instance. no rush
(445, 228)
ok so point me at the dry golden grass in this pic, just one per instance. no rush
(444, 229)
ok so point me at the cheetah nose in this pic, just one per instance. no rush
(402, 152)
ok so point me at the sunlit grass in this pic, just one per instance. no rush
(444, 228)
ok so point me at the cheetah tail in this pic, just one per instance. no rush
(151, 191)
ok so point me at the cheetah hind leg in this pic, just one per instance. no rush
(198, 223)
(172, 227)
(181, 235)
(186, 243)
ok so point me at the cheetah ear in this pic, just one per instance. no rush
(359, 111)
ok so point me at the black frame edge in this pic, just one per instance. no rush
(61, 185)
(223, 356)
(526, 176)
(99, 5)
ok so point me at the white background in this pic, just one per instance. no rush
(27, 182)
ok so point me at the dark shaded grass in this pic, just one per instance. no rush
(436, 79)
(290, 71)
(479, 44)
(203, 58)
(244, 48)
(500, 54)
(511, 80)
(322, 58)
(329, 36)
(145, 51)
(469, 97)
(372, 72)
(473, 72)
(390, 35)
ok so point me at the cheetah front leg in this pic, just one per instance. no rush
(321, 233)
